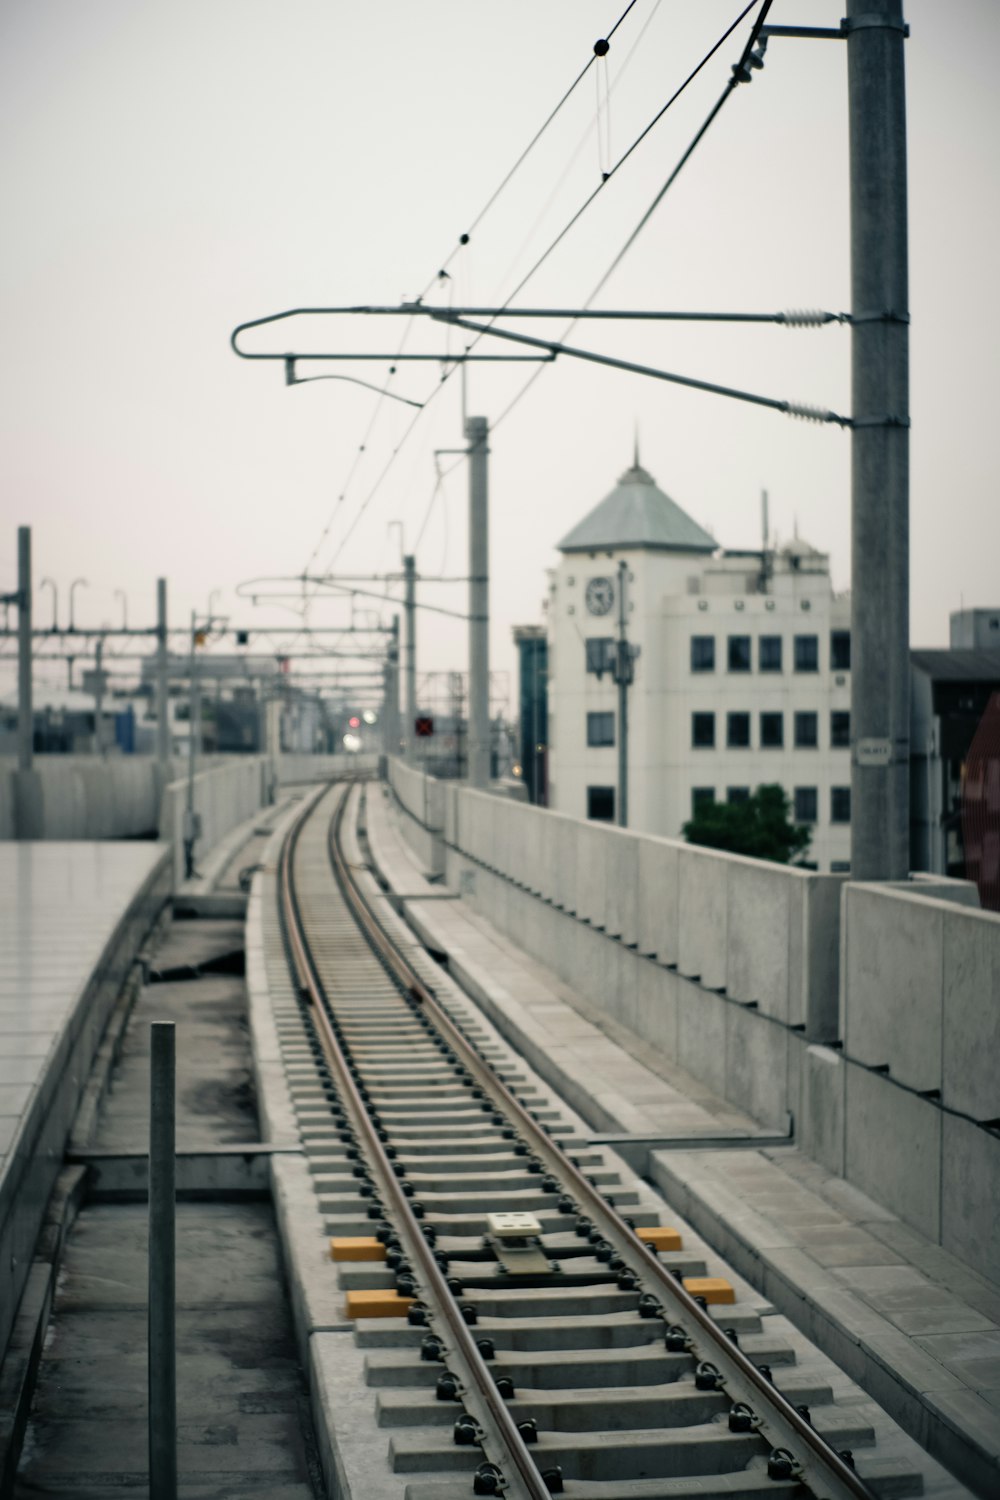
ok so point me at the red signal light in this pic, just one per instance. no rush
(354, 722)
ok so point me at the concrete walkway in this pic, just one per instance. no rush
(910, 1323)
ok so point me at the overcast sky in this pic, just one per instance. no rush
(168, 170)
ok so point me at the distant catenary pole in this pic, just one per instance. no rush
(25, 708)
(880, 667)
(410, 655)
(162, 694)
(477, 432)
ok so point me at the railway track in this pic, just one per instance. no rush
(578, 1350)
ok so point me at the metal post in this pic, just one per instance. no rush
(410, 656)
(623, 665)
(162, 1251)
(194, 730)
(390, 714)
(25, 709)
(99, 695)
(880, 668)
(162, 693)
(476, 431)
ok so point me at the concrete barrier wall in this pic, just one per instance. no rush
(921, 995)
(299, 768)
(766, 935)
(224, 795)
(80, 797)
(870, 1014)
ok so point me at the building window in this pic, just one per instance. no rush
(600, 730)
(703, 653)
(840, 804)
(806, 804)
(807, 653)
(601, 804)
(840, 867)
(806, 731)
(703, 731)
(600, 654)
(772, 731)
(701, 796)
(736, 794)
(769, 653)
(840, 729)
(738, 731)
(840, 650)
(739, 653)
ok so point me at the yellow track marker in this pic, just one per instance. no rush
(376, 1305)
(712, 1288)
(660, 1236)
(364, 1248)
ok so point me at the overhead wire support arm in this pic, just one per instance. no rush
(789, 408)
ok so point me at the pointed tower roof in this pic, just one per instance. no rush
(637, 514)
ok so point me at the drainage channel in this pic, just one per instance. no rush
(244, 1427)
(530, 1319)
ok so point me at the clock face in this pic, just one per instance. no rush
(600, 595)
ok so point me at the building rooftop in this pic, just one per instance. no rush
(638, 514)
(945, 665)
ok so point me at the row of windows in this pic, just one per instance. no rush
(805, 799)
(772, 730)
(601, 730)
(739, 653)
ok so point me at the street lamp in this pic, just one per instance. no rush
(55, 600)
(120, 594)
(72, 588)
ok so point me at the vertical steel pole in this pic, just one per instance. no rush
(25, 708)
(477, 432)
(99, 695)
(622, 673)
(390, 734)
(162, 1269)
(162, 686)
(410, 656)
(194, 731)
(880, 666)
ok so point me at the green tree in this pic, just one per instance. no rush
(761, 827)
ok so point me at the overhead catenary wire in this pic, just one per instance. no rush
(600, 50)
(662, 192)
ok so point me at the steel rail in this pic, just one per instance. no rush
(500, 1440)
(823, 1468)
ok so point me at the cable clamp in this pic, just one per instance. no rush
(887, 421)
(873, 22)
(887, 315)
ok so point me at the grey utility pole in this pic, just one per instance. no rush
(880, 665)
(192, 830)
(410, 656)
(99, 696)
(477, 433)
(25, 709)
(162, 693)
(624, 675)
(390, 712)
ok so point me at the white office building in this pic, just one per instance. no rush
(742, 676)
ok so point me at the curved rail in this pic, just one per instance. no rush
(815, 1462)
(502, 1443)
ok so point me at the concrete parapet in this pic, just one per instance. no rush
(80, 797)
(224, 795)
(920, 978)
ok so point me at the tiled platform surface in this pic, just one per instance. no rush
(72, 917)
(912, 1324)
